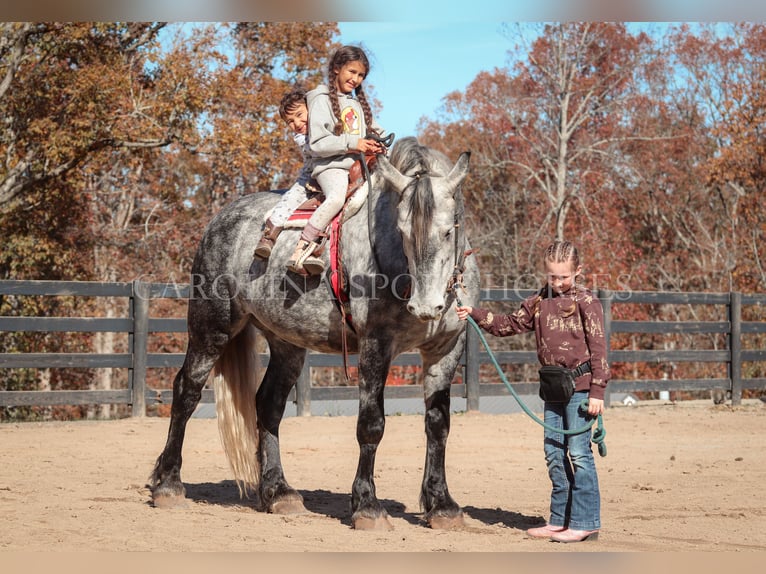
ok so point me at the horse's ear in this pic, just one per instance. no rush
(392, 175)
(459, 171)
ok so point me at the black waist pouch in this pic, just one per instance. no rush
(556, 384)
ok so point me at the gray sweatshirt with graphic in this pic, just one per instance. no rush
(327, 149)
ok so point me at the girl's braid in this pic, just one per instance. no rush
(563, 252)
(344, 55)
(360, 95)
(335, 104)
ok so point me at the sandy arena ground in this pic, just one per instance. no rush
(683, 477)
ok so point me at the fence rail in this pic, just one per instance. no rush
(138, 324)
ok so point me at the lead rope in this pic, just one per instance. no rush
(599, 434)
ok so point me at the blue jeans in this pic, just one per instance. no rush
(575, 497)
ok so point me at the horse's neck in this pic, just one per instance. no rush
(378, 220)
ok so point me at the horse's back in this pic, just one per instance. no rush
(230, 238)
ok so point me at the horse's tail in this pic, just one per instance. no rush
(236, 376)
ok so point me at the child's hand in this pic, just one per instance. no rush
(595, 406)
(369, 147)
(463, 312)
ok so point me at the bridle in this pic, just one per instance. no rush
(456, 280)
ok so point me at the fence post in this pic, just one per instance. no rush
(735, 346)
(303, 389)
(140, 307)
(471, 372)
(605, 296)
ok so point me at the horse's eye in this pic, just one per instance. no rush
(448, 234)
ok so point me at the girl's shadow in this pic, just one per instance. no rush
(507, 518)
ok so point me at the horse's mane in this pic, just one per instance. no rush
(416, 160)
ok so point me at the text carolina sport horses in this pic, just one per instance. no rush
(399, 257)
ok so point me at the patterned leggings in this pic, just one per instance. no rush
(292, 198)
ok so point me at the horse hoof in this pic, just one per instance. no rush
(447, 522)
(170, 501)
(288, 505)
(378, 523)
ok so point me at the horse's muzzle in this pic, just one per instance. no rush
(426, 312)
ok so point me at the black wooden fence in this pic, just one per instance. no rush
(138, 325)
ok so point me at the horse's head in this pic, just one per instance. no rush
(430, 220)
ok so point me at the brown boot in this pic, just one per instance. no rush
(304, 261)
(267, 240)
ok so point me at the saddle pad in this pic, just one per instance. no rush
(302, 214)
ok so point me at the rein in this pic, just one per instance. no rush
(345, 316)
(387, 142)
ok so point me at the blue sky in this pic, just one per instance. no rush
(415, 64)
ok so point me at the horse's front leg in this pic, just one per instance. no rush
(374, 362)
(441, 511)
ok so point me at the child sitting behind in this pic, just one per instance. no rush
(294, 111)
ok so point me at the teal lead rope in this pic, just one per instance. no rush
(599, 434)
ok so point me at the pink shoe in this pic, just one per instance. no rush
(544, 531)
(570, 535)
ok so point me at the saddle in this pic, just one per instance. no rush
(356, 180)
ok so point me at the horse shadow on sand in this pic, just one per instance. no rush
(321, 502)
(337, 505)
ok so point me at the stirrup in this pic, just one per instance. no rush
(303, 260)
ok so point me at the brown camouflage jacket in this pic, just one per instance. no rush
(569, 330)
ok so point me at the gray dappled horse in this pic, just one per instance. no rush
(399, 256)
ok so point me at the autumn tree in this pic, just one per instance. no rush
(724, 71)
(724, 65)
(545, 132)
(69, 92)
(120, 141)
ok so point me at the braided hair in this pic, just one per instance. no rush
(340, 57)
(562, 252)
(559, 252)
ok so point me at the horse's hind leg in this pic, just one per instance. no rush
(285, 365)
(201, 355)
(441, 511)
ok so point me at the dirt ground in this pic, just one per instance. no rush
(682, 477)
